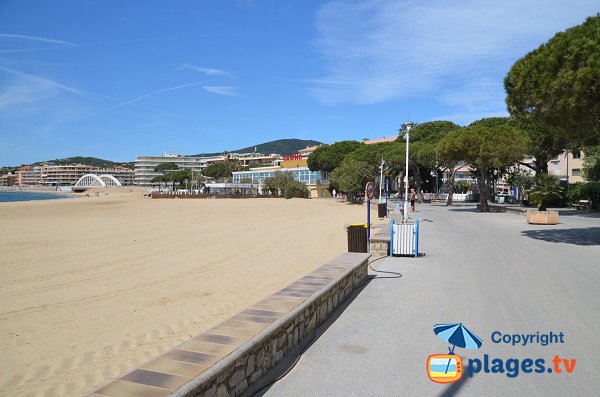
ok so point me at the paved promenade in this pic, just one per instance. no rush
(492, 272)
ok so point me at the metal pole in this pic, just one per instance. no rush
(408, 126)
(381, 179)
(369, 221)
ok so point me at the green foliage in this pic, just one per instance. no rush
(491, 145)
(486, 144)
(521, 179)
(432, 132)
(462, 186)
(166, 168)
(557, 85)
(285, 183)
(92, 161)
(591, 163)
(328, 157)
(585, 191)
(351, 177)
(546, 191)
(280, 146)
(296, 189)
(222, 169)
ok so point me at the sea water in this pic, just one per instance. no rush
(27, 196)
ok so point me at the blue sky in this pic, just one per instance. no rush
(120, 79)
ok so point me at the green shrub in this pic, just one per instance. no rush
(585, 191)
(295, 189)
(547, 192)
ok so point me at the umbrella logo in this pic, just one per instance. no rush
(447, 368)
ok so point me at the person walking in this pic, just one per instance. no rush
(412, 200)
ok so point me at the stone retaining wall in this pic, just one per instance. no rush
(380, 247)
(504, 208)
(236, 355)
(261, 354)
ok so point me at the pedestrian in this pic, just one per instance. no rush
(412, 199)
(334, 193)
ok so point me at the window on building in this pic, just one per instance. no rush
(576, 155)
(576, 172)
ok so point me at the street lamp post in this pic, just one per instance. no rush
(406, 127)
(381, 179)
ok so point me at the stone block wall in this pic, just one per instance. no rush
(261, 354)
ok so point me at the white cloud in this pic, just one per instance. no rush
(230, 91)
(378, 50)
(23, 91)
(35, 38)
(139, 98)
(205, 71)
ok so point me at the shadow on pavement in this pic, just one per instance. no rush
(583, 214)
(580, 236)
(464, 209)
(454, 388)
(292, 358)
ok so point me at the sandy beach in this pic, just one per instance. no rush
(93, 287)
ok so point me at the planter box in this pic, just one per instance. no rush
(542, 217)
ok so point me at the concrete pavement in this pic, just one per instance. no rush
(492, 272)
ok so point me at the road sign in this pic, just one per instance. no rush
(370, 191)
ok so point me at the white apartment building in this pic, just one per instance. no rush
(144, 165)
(68, 175)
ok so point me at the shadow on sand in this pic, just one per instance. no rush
(580, 236)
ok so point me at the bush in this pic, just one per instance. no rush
(295, 189)
(585, 191)
(547, 192)
(284, 183)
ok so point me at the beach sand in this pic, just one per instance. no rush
(93, 287)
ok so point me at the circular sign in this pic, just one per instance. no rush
(370, 191)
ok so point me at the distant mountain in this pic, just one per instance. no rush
(280, 146)
(92, 161)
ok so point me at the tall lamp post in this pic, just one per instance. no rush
(381, 179)
(406, 128)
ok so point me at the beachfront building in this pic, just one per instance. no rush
(29, 176)
(568, 166)
(314, 180)
(8, 179)
(144, 165)
(68, 175)
(64, 175)
(124, 175)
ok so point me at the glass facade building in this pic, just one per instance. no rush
(303, 175)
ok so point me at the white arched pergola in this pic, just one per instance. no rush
(92, 180)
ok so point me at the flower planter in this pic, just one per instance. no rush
(542, 217)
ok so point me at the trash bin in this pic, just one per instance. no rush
(357, 238)
(382, 210)
(500, 199)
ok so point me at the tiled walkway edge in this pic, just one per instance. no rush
(237, 353)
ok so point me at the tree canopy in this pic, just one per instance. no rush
(222, 169)
(351, 177)
(328, 157)
(166, 168)
(285, 183)
(485, 144)
(557, 86)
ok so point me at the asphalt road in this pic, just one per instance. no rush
(495, 274)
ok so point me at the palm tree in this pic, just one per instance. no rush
(547, 187)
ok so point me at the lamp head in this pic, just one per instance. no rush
(406, 127)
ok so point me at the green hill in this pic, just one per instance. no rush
(280, 146)
(93, 161)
